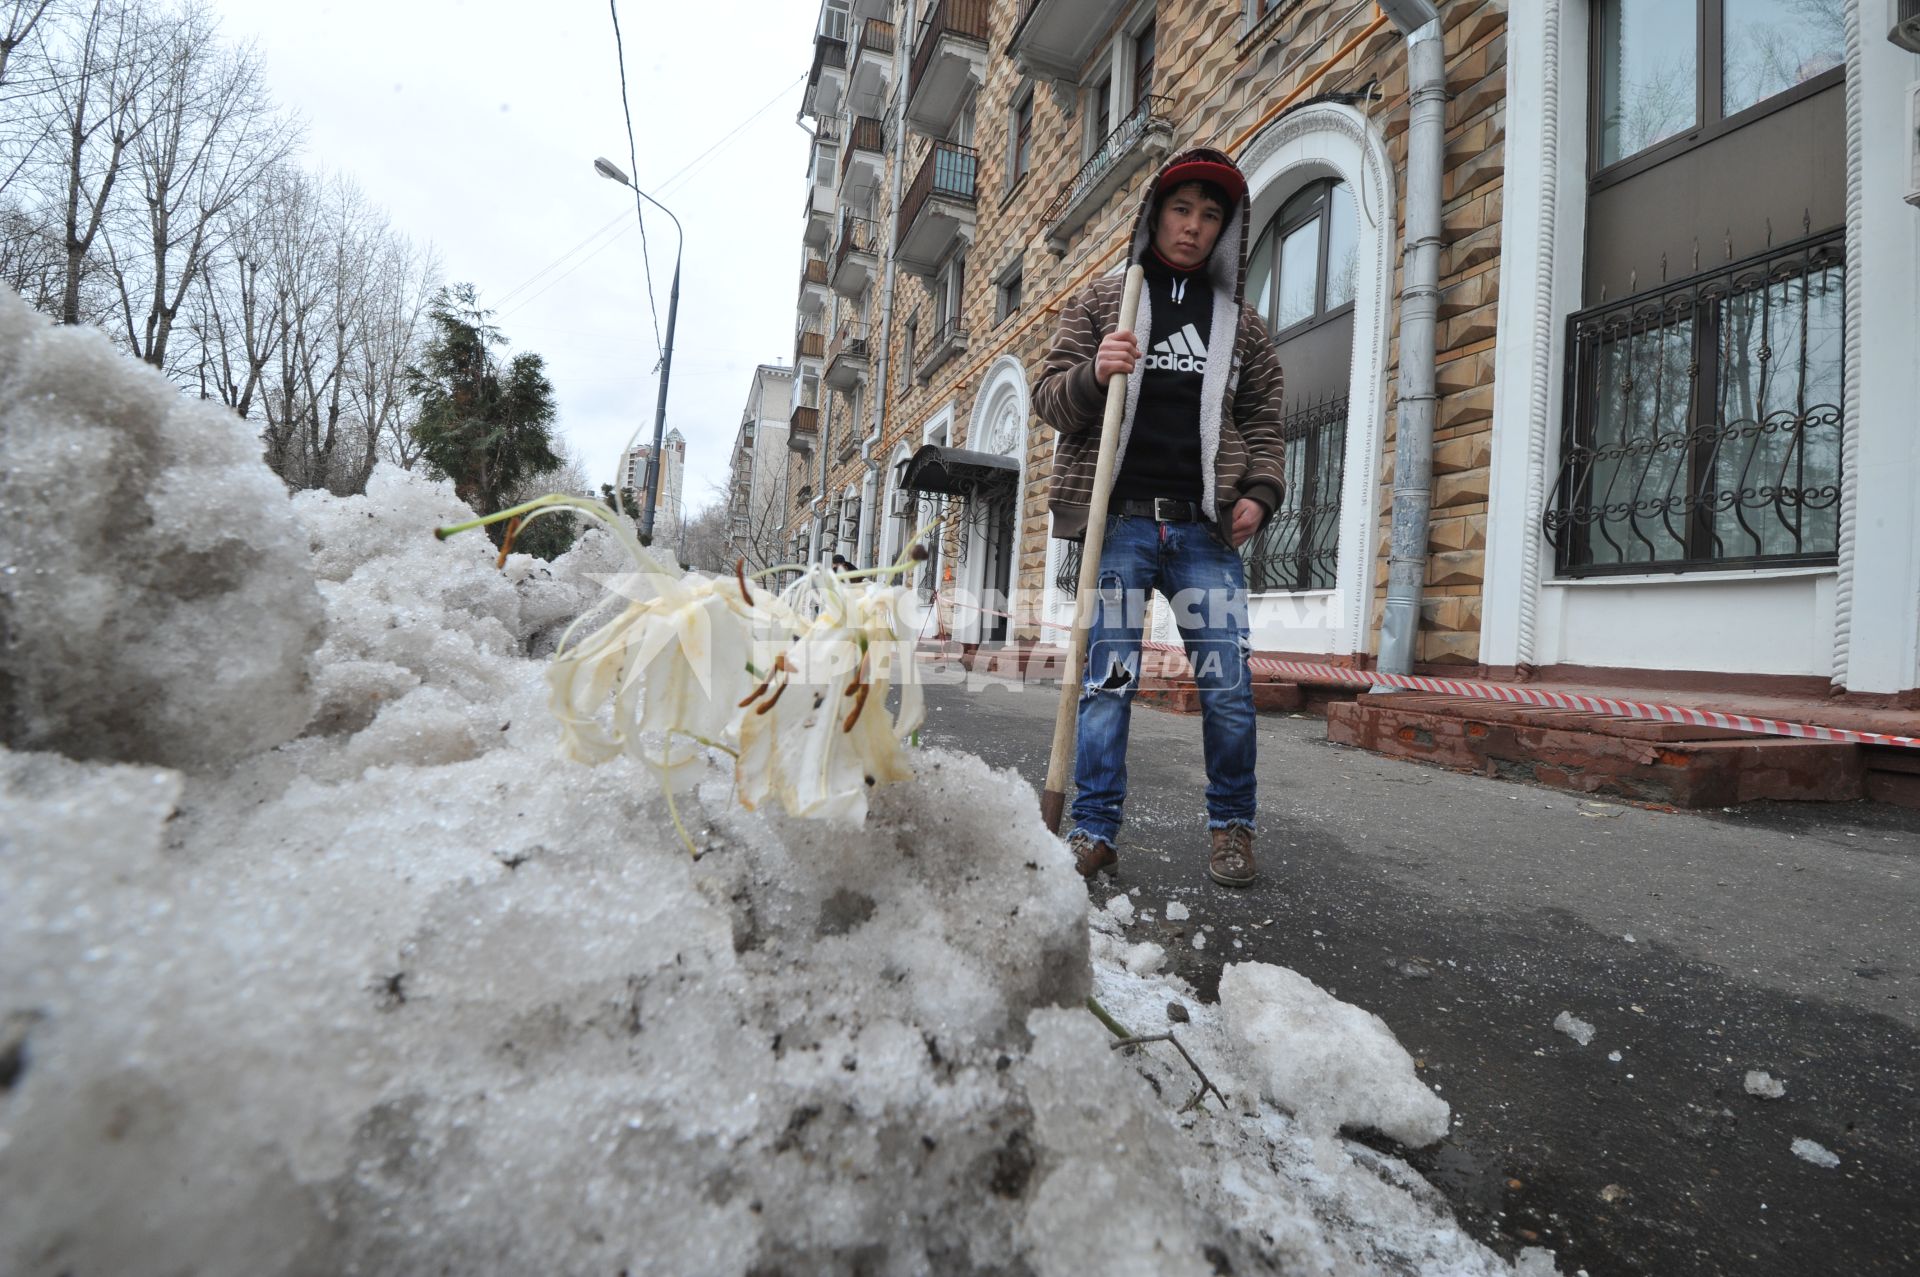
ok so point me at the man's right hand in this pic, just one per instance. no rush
(1118, 352)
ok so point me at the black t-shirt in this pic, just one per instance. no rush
(1163, 452)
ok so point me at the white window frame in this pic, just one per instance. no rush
(1115, 63)
(1014, 269)
(840, 29)
(1026, 95)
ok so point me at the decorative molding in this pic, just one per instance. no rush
(1850, 388)
(1308, 130)
(1540, 375)
(1002, 410)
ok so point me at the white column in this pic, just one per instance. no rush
(1541, 233)
(1878, 647)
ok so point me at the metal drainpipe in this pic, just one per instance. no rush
(1419, 307)
(867, 551)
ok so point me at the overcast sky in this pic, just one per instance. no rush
(475, 123)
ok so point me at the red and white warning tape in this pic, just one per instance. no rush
(1604, 705)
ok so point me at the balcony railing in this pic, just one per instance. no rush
(803, 427)
(964, 18)
(1299, 549)
(948, 171)
(1706, 424)
(1112, 153)
(856, 236)
(875, 37)
(868, 135)
(815, 271)
(847, 355)
(809, 343)
(828, 54)
(948, 340)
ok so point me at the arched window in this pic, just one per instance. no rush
(1302, 269)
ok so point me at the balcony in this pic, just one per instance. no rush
(813, 285)
(1056, 37)
(949, 59)
(938, 209)
(948, 340)
(861, 161)
(827, 78)
(1139, 140)
(872, 69)
(820, 207)
(803, 427)
(809, 343)
(847, 356)
(854, 263)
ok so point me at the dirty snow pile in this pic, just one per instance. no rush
(314, 957)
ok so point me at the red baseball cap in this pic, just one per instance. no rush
(1204, 166)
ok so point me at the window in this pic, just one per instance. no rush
(823, 162)
(1007, 294)
(1664, 68)
(1143, 45)
(949, 285)
(1302, 266)
(1706, 422)
(1021, 132)
(907, 344)
(1100, 113)
(1299, 549)
(834, 19)
(809, 388)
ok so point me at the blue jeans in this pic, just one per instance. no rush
(1205, 581)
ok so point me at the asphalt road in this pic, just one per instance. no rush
(1468, 913)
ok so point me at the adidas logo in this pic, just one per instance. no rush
(1179, 352)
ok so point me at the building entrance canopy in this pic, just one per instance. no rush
(956, 472)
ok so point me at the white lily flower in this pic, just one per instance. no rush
(793, 685)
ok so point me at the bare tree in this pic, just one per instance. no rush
(22, 16)
(107, 67)
(211, 132)
(708, 542)
(393, 324)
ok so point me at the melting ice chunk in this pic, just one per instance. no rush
(1574, 1027)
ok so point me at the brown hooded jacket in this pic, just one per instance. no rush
(1241, 451)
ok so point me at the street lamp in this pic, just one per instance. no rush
(612, 172)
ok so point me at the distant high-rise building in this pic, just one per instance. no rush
(668, 514)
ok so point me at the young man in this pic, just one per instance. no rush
(1197, 473)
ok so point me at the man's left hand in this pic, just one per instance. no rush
(1247, 514)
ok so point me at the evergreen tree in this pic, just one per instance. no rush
(484, 425)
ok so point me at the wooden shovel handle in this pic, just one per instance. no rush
(1066, 717)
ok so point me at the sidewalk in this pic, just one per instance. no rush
(1677, 764)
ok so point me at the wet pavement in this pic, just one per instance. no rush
(1469, 913)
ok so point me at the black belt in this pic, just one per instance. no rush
(1159, 509)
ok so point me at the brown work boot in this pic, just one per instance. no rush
(1231, 864)
(1091, 855)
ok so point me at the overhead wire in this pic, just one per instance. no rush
(534, 278)
(609, 242)
(707, 154)
(633, 162)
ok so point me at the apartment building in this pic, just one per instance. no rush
(670, 512)
(1672, 429)
(757, 472)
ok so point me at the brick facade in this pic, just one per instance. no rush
(1223, 82)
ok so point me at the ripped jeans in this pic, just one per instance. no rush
(1206, 584)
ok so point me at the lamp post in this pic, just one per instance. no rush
(612, 172)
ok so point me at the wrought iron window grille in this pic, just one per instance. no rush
(1066, 577)
(1299, 549)
(1704, 422)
